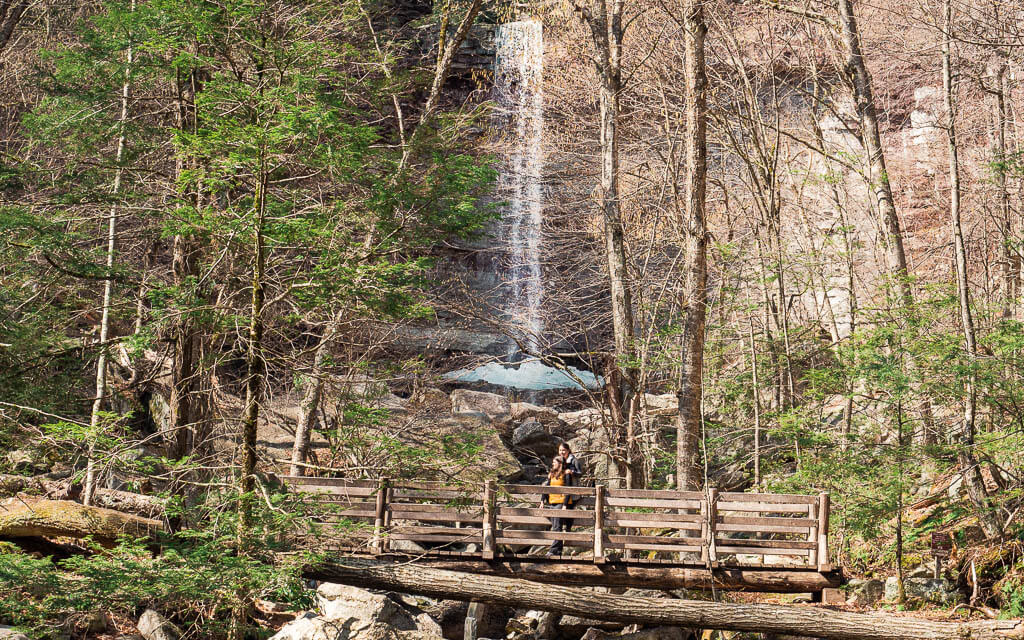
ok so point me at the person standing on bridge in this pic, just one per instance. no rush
(572, 464)
(559, 476)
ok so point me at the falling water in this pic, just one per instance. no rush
(518, 91)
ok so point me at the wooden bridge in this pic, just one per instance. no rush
(655, 539)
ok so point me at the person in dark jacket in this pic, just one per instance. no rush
(559, 476)
(572, 464)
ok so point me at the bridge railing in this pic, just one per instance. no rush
(709, 528)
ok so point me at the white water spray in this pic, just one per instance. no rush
(519, 93)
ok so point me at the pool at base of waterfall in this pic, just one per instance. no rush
(530, 375)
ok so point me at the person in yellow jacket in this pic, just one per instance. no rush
(559, 477)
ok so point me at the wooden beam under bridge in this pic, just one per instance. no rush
(818, 622)
(585, 573)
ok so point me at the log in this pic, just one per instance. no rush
(134, 503)
(803, 620)
(612, 574)
(53, 518)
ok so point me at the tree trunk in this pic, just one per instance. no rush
(11, 12)
(184, 415)
(857, 71)
(968, 462)
(1009, 260)
(878, 175)
(604, 19)
(689, 421)
(630, 575)
(108, 285)
(63, 518)
(311, 397)
(758, 618)
(255, 367)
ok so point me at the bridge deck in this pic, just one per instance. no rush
(779, 541)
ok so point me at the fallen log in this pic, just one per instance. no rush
(586, 573)
(801, 620)
(135, 503)
(63, 518)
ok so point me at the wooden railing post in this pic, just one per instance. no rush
(823, 509)
(712, 528)
(379, 517)
(489, 521)
(812, 531)
(599, 524)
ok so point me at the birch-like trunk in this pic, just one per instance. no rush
(968, 461)
(108, 285)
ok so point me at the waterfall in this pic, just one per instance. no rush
(519, 94)
(519, 119)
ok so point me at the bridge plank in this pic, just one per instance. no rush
(796, 522)
(655, 517)
(454, 494)
(665, 494)
(656, 541)
(759, 551)
(784, 498)
(517, 536)
(662, 547)
(653, 503)
(769, 544)
(764, 528)
(518, 489)
(437, 517)
(418, 537)
(576, 514)
(431, 530)
(764, 507)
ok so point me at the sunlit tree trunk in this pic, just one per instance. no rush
(108, 285)
(689, 421)
(1009, 260)
(968, 461)
(878, 177)
(604, 18)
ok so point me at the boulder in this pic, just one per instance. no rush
(939, 591)
(338, 602)
(865, 593)
(665, 404)
(350, 613)
(153, 626)
(584, 418)
(591, 446)
(575, 626)
(10, 633)
(531, 436)
(309, 626)
(27, 462)
(491, 405)
(434, 397)
(520, 411)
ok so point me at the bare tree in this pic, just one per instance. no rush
(968, 461)
(694, 308)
